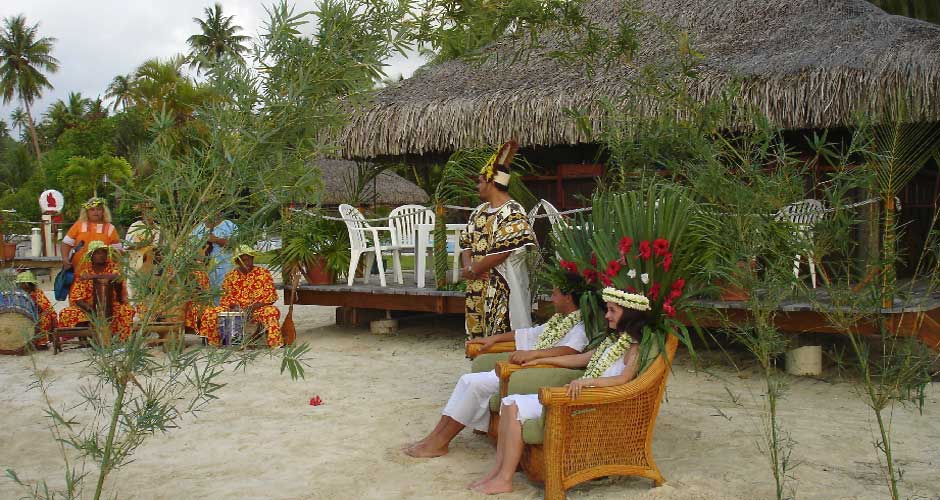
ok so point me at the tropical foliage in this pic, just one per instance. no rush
(218, 38)
(24, 57)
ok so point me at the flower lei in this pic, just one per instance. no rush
(556, 328)
(488, 170)
(606, 354)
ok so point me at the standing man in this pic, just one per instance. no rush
(496, 241)
(216, 232)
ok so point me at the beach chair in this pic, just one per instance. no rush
(607, 431)
(803, 215)
(364, 239)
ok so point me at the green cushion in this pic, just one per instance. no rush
(487, 362)
(533, 431)
(529, 381)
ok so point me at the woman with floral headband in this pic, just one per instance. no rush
(494, 246)
(614, 362)
(94, 224)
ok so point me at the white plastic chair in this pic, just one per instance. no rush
(554, 216)
(404, 221)
(360, 232)
(803, 215)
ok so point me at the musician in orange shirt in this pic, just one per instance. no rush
(98, 264)
(94, 224)
(246, 288)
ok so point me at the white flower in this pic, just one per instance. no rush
(632, 273)
(645, 278)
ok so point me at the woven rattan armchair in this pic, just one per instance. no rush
(606, 431)
(473, 350)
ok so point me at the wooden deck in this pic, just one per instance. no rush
(917, 315)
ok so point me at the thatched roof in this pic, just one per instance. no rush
(804, 63)
(341, 178)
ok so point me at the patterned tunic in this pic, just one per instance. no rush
(502, 302)
(243, 290)
(83, 290)
(47, 317)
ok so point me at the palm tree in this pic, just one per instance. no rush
(23, 58)
(161, 86)
(4, 129)
(218, 40)
(122, 91)
(18, 120)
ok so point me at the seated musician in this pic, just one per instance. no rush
(246, 288)
(98, 265)
(469, 403)
(47, 319)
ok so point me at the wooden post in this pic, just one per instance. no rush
(439, 251)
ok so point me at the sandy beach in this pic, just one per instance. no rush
(263, 440)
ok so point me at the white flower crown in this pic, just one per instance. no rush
(628, 300)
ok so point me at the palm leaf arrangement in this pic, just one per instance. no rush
(651, 242)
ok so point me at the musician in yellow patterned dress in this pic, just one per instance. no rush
(98, 261)
(47, 317)
(246, 288)
(495, 244)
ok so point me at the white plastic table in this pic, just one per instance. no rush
(421, 247)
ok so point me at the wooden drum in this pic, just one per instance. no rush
(18, 317)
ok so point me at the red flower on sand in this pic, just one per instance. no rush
(660, 246)
(667, 261)
(613, 267)
(669, 310)
(654, 291)
(568, 266)
(316, 401)
(626, 243)
(645, 251)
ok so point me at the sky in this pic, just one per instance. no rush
(100, 39)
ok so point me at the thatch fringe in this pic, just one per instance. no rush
(802, 63)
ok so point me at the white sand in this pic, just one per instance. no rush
(263, 439)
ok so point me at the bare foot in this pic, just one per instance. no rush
(483, 479)
(494, 486)
(423, 450)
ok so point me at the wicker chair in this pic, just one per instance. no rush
(606, 431)
(473, 350)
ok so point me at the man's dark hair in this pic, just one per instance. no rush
(573, 284)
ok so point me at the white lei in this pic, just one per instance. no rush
(557, 327)
(609, 351)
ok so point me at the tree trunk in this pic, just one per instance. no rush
(32, 131)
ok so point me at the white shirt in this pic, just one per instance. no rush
(527, 338)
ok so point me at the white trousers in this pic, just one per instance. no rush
(469, 404)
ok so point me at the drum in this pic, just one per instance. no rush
(18, 317)
(231, 327)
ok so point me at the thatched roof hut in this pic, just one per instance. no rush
(341, 184)
(804, 63)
